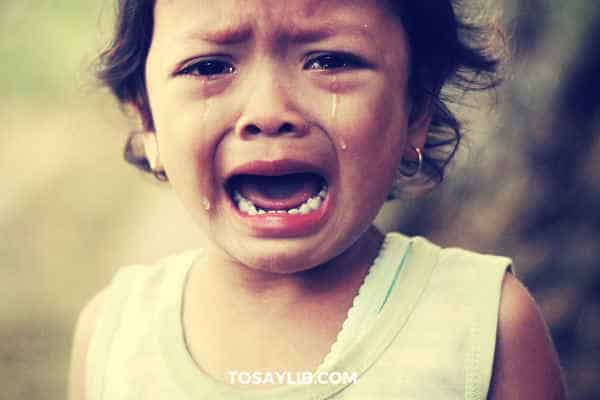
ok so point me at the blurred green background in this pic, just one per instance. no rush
(526, 184)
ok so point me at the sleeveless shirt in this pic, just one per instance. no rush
(422, 326)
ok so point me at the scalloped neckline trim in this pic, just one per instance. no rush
(191, 380)
(369, 300)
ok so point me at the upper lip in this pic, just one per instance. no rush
(276, 168)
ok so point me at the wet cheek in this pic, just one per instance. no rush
(369, 124)
(187, 140)
(373, 129)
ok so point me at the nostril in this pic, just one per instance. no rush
(270, 128)
(286, 128)
(252, 129)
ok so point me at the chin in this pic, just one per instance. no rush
(283, 256)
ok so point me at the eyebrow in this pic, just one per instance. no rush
(233, 35)
(224, 36)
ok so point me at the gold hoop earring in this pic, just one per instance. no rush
(411, 167)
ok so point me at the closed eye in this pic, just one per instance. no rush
(207, 68)
(334, 61)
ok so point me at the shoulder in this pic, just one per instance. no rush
(92, 318)
(83, 333)
(515, 343)
(525, 365)
(131, 285)
(452, 259)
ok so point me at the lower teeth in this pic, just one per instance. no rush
(247, 207)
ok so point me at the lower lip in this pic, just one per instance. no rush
(284, 224)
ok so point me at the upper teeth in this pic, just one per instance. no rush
(246, 206)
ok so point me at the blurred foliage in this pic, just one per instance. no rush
(527, 184)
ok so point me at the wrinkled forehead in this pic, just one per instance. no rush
(231, 19)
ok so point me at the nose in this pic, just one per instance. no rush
(269, 110)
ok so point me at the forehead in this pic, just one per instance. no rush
(193, 19)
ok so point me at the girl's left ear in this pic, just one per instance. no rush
(418, 129)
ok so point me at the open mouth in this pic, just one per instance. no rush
(293, 194)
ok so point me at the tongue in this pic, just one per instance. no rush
(278, 192)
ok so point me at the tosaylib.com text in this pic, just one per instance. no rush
(292, 378)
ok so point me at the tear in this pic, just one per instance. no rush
(206, 204)
(335, 99)
(334, 104)
(206, 112)
(343, 145)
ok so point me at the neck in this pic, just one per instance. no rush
(241, 286)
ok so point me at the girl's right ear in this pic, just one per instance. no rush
(149, 140)
(151, 151)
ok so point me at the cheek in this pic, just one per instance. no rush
(372, 126)
(187, 137)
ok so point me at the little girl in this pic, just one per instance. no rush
(283, 127)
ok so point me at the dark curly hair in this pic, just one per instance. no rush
(447, 52)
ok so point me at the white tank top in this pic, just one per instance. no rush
(423, 326)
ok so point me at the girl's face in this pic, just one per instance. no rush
(277, 102)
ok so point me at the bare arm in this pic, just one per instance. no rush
(526, 365)
(83, 333)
